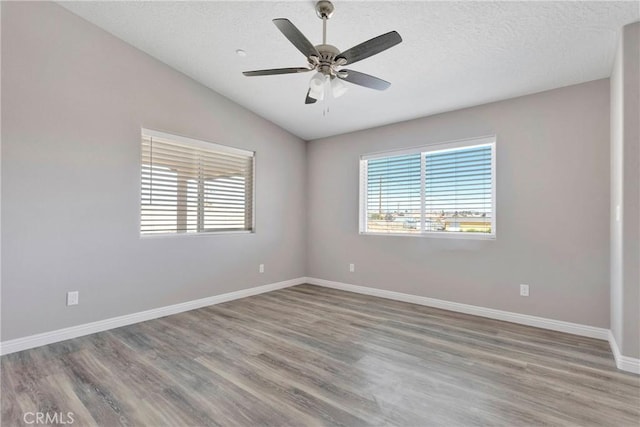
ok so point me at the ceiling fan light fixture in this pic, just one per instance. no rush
(338, 88)
(317, 86)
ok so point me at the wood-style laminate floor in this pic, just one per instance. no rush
(308, 356)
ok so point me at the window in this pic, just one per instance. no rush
(437, 190)
(191, 186)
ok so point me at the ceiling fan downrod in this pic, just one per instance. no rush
(324, 10)
(325, 63)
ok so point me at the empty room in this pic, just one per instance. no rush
(305, 213)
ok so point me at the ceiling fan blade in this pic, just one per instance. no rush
(296, 37)
(275, 71)
(370, 47)
(365, 80)
(309, 100)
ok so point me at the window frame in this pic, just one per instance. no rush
(200, 144)
(490, 140)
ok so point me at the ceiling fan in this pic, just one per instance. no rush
(327, 60)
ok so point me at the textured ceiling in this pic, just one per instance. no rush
(453, 54)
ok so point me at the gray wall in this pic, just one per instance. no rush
(73, 100)
(552, 210)
(625, 193)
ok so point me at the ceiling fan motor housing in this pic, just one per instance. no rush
(326, 64)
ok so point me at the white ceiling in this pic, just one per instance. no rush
(453, 54)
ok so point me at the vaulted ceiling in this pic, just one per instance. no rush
(453, 54)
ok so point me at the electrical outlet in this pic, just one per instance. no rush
(261, 268)
(352, 268)
(524, 290)
(73, 298)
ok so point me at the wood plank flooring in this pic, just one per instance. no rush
(307, 356)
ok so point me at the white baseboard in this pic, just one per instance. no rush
(19, 344)
(508, 316)
(624, 363)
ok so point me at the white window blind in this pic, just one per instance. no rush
(190, 186)
(442, 189)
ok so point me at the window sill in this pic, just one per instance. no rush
(204, 233)
(437, 235)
